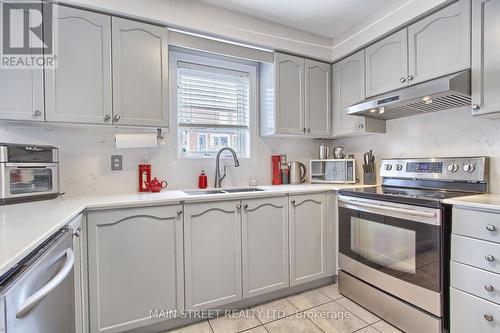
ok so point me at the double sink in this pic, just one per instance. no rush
(230, 190)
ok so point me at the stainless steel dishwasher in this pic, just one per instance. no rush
(39, 294)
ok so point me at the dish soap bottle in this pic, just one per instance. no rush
(202, 180)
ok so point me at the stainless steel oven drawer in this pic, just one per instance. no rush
(472, 314)
(476, 281)
(475, 252)
(476, 224)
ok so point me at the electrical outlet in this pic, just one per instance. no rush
(116, 162)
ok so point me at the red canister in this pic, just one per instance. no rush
(202, 180)
(276, 169)
(144, 177)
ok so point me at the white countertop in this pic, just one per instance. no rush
(481, 201)
(24, 226)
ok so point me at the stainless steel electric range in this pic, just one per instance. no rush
(394, 240)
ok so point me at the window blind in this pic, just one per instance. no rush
(212, 97)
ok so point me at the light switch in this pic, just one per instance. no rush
(116, 162)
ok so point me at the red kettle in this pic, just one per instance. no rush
(155, 185)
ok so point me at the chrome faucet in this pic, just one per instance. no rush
(218, 177)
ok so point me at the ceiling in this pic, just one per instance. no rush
(329, 18)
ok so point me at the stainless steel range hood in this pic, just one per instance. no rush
(447, 92)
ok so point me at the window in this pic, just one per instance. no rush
(213, 106)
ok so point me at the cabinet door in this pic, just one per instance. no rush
(307, 238)
(289, 85)
(485, 57)
(212, 259)
(79, 90)
(21, 92)
(387, 64)
(348, 89)
(265, 246)
(140, 71)
(135, 266)
(317, 98)
(440, 43)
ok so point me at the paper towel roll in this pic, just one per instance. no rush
(139, 140)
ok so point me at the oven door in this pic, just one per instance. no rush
(394, 247)
(29, 179)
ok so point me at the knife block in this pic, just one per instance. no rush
(369, 178)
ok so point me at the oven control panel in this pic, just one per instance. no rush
(445, 168)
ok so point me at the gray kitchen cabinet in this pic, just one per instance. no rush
(134, 265)
(140, 74)
(212, 257)
(79, 89)
(349, 88)
(79, 227)
(289, 86)
(21, 92)
(485, 58)
(307, 238)
(317, 98)
(294, 97)
(265, 245)
(440, 43)
(387, 64)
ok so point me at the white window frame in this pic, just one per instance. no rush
(208, 59)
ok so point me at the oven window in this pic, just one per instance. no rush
(27, 180)
(403, 248)
(396, 252)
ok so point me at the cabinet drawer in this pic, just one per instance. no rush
(477, 224)
(468, 314)
(473, 252)
(476, 281)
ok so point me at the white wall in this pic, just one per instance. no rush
(445, 133)
(85, 159)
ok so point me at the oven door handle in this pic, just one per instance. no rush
(393, 209)
(31, 165)
(34, 299)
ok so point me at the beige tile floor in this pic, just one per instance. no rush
(321, 310)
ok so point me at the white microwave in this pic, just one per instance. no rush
(333, 171)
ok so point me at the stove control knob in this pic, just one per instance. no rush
(469, 168)
(399, 167)
(388, 167)
(453, 167)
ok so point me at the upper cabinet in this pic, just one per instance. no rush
(79, 90)
(317, 98)
(21, 93)
(140, 74)
(294, 95)
(387, 64)
(440, 43)
(485, 58)
(349, 88)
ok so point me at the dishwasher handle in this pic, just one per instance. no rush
(34, 299)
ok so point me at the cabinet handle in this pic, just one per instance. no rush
(308, 130)
(107, 118)
(116, 118)
(37, 113)
(475, 107)
(77, 232)
(304, 129)
(490, 227)
(489, 287)
(245, 206)
(488, 317)
(361, 126)
(179, 212)
(238, 206)
(402, 80)
(410, 77)
(489, 257)
(292, 202)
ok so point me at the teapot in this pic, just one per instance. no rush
(155, 185)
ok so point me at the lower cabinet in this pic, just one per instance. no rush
(212, 241)
(307, 238)
(265, 245)
(134, 266)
